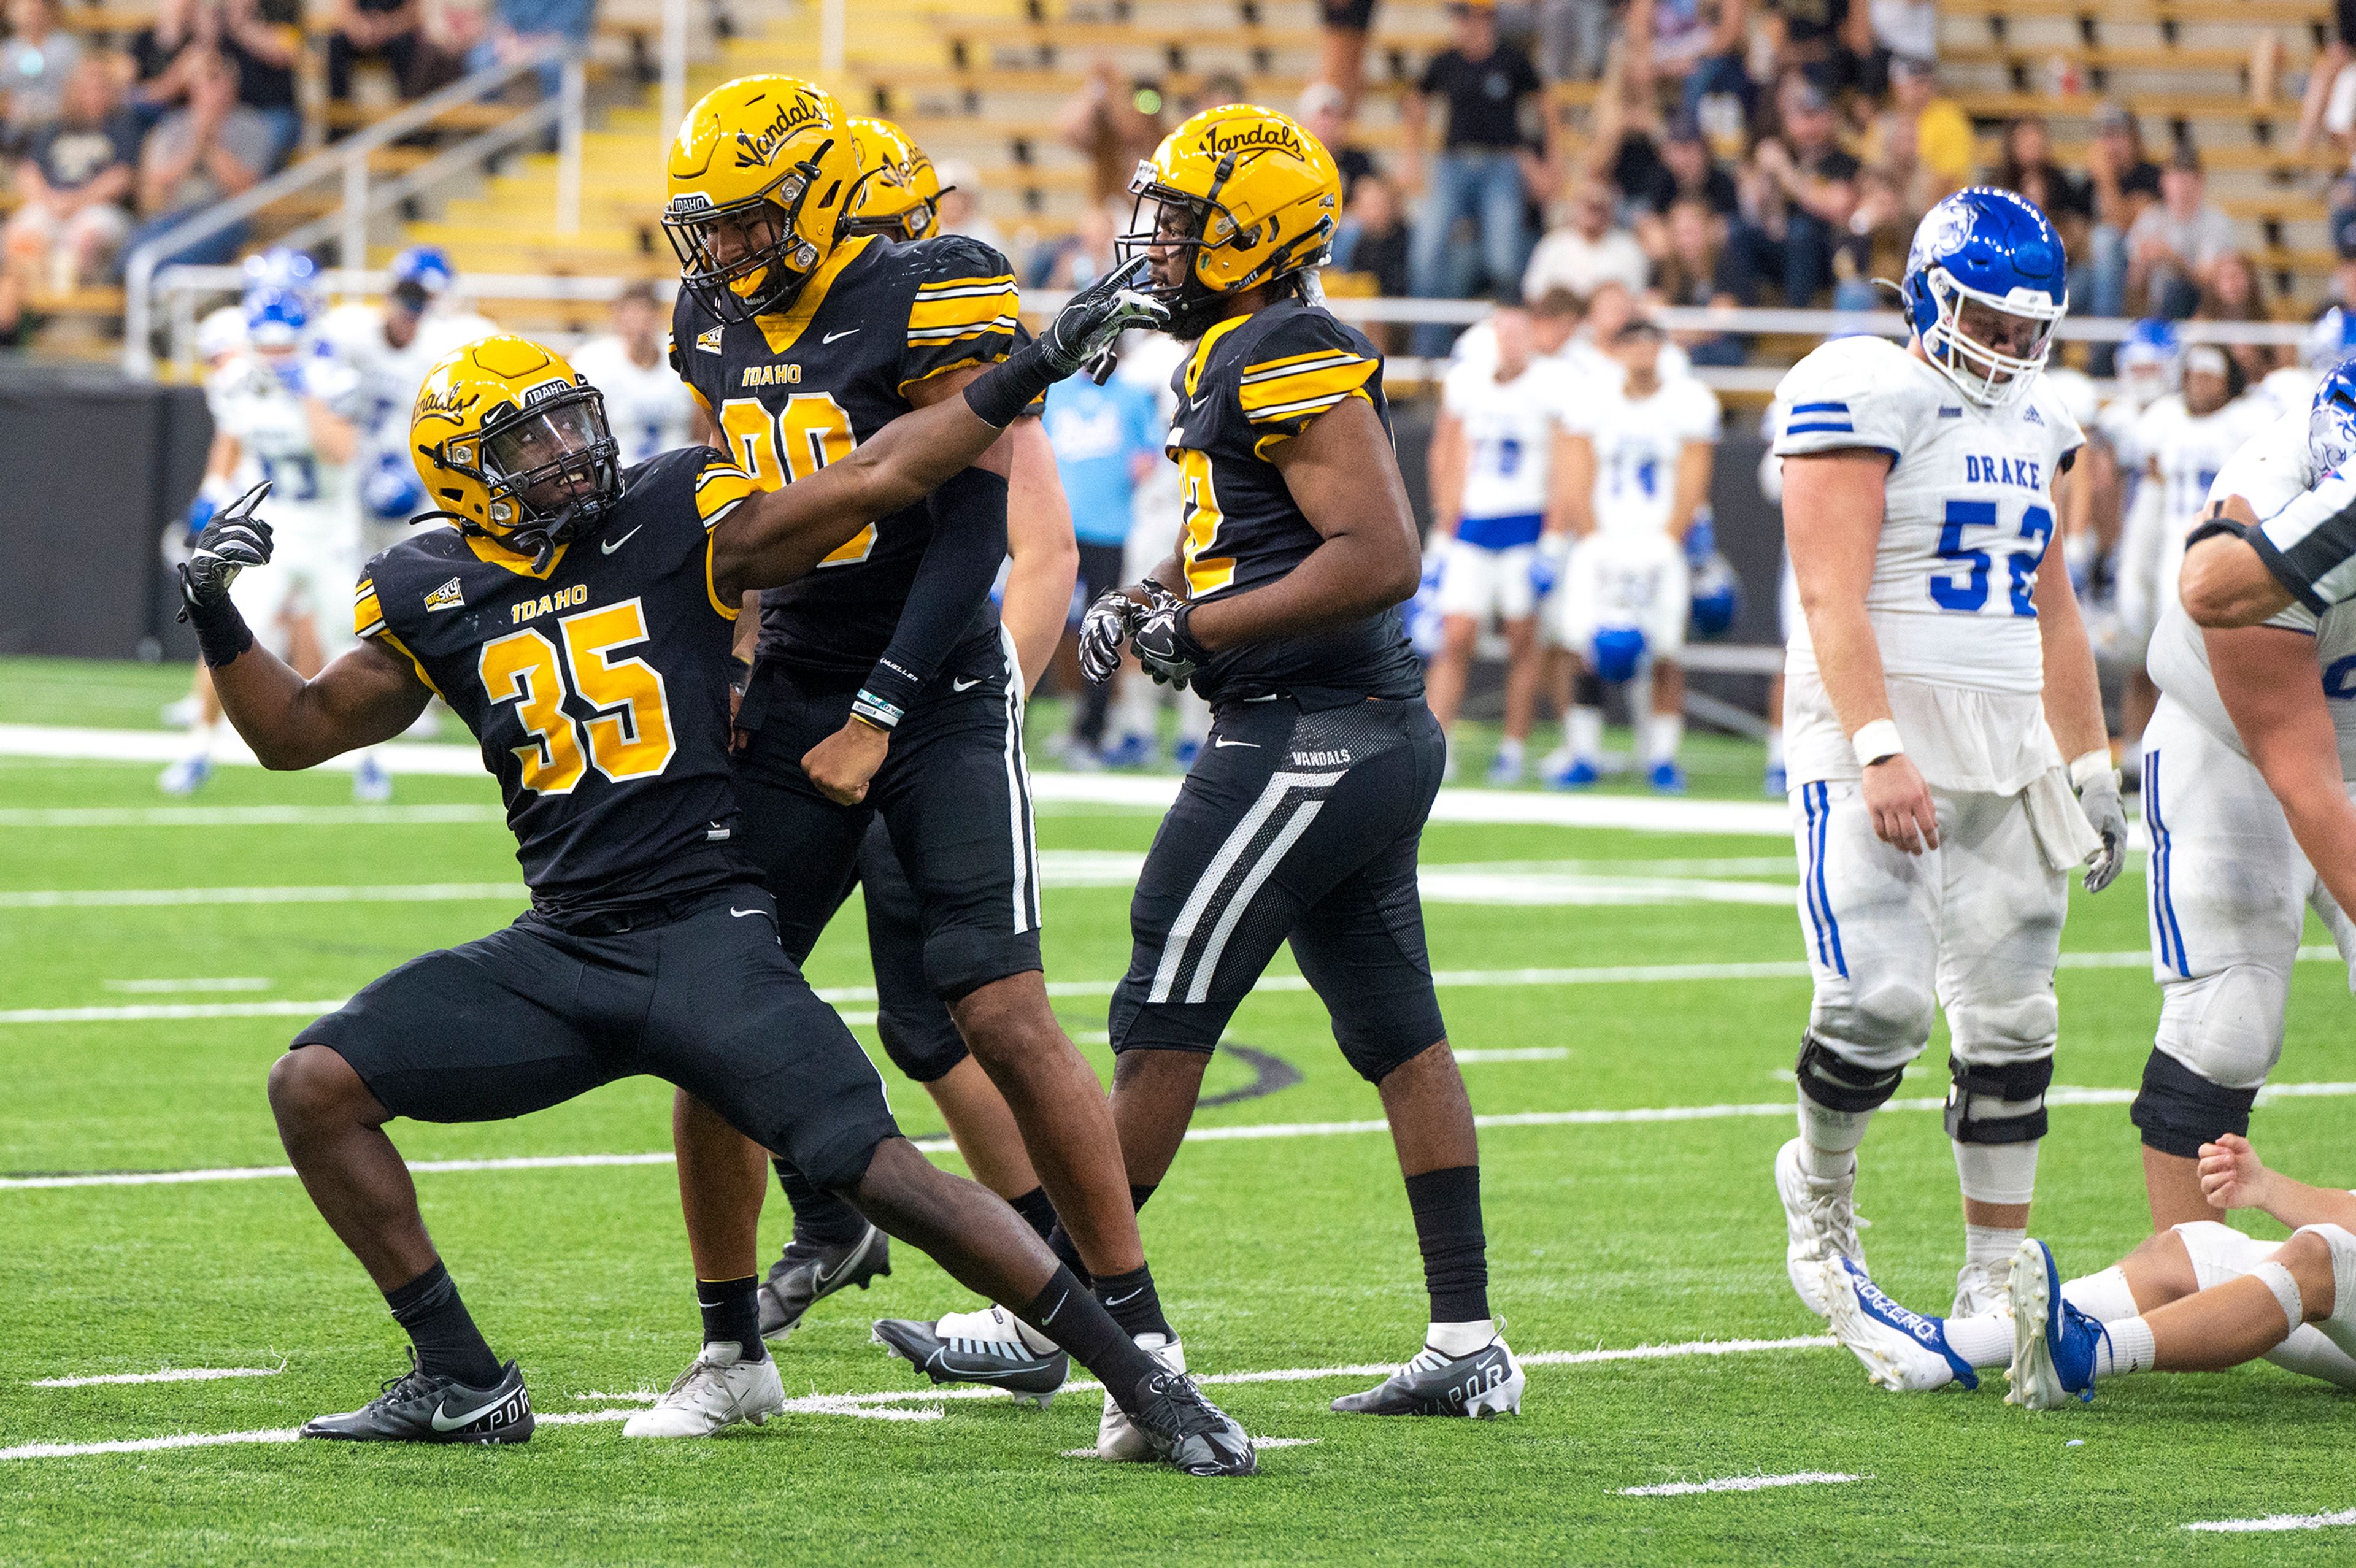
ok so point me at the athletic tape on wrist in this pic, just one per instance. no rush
(2278, 1279)
(1876, 741)
(2086, 769)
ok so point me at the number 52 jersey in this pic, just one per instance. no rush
(598, 688)
(1967, 516)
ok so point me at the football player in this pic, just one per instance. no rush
(1930, 697)
(578, 618)
(1636, 472)
(2197, 1296)
(285, 412)
(652, 408)
(1492, 448)
(1300, 821)
(883, 685)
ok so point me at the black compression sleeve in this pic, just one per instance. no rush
(999, 394)
(953, 581)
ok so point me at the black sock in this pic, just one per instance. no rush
(1059, 1241)
(1036, 1211)
(1447, 1205)
(1133, 1302)
(1068, 1315)
(448, 1343)
(732, 1310)
(821, 1218)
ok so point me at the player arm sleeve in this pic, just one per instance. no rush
(962, 313)
(2311, 545)
(1305, 367)
(1831, 405)
(952, 581)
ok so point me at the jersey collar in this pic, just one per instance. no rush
(784, 328)
(499, 555)
(1203, 350)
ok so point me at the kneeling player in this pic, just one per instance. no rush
(2198, 1297)
(596, 683)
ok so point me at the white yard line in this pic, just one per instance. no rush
(45, 818)
(171, 987)
(1742, 1483)
(162, 898)
(167, 1375)
(2277, 1521)
(1526, 1053)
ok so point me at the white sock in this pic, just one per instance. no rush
(201, 737)
(2127, 1348)
(2103, 1296)
(1996, 1173)
(1828, 1139)
(1664, 734)
(1137, 705)
(1984, 1341)
(1775, 746)
(1988, 1244)
(1509, 751)
(1583, 732)
(1460, 1339)
(2309, 1354)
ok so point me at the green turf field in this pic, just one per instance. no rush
(1289, 1253)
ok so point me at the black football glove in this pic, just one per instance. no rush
(1092, 320)
(1163, 644)
(1103, 632)
(234, 539)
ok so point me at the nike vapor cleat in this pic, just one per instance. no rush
(1982, 1288)
(2053, 1343)
(1819, 1224)
(1488, 1383)
(985, 1347)
(420, 1407)
(186, 777)
(1117, 1437)
(1577, 774)
(371, 786)
(1902, 1351)
(1667, 778)
(809, 1272)
(1183, 1430)
(719, 1389)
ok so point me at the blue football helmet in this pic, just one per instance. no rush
(391, 488)
(1617, 653)
(276, 318)
(426, 269)
(1986, 264)
(280, 267)
(2151, 360)
(2331, 420)
(1717, 597)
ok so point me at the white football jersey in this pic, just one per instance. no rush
(1509, 431)
(649, 410)
(1968, 509)
(2271, 469)
(313, 504)
(390, 377)
(1637, 442)
(2288, 389)
(2187, 451)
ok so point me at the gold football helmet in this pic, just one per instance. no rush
(899, 194)
(1236, 197)
(760, 171)
(513, 443)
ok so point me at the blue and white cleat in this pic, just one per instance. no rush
(1131, 750)
(1903, 1351)
(1777, 782)
(1506, 768)
(186, 777)
(1185, 754)
(1667, 778)
(1577, 774)
(371, 786)
(2053, 1343)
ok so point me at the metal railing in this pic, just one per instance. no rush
(346, 161)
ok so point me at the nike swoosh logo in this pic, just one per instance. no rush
(1222, 741)
(741, 914)
(832, 335)
(1112, 1301)
(970, 1373)
(965, 685)
(823, 1277)
(451, 1423)
(610, 546)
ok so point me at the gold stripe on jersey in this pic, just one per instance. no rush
(1291, 389)
(1200, 520)
(1203, 350)
(718, 489)
(367, 615)
(951, 311)
(785, 330)
(711, 585)
(384, 634)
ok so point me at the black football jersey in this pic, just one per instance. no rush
(598, 688)
(1253, 382)
(795, 390)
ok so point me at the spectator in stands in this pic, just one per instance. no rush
(1081, 257)
(2126, 185)
(2323, 76)
(1489, 167)
(1686, 170)
(263, 39)
(960, 211)
(36, 60)
(1343, 47)
(2233, 290)
(73, 183)
(1116, 124)
(1800, 195)
(1574, 36)
(1686, 275)
(519, 26)
(1326, 113)
(1908, 27)
(1943, 133)
(1587, 252)
(1373, 238)
(1825, 40)
(1722, 68)
(1879, 231)
(384, 30)
(2173, 246)
(448, 32)
(209, 149)
(160, 53)
(2065, 197)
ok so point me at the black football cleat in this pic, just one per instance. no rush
(810, 1271)
(983, 1346)
(419, 1407)
(1488, 1383)
(1188, 1431)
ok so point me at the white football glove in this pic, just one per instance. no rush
(2098, 796)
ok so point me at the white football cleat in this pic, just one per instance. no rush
(371, 786)
(1820, 1224)
(718, 1390)
(1117, 1437)
(1982, 1288)
(186, 777)
(1902, 1351)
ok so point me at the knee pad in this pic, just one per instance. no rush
(1838, 1084)
(2344, 1272)
(1998, 1102)
(2227, 1027)
(2179, 1110)
(2219, 1251)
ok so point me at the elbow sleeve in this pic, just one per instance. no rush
(952, 584)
